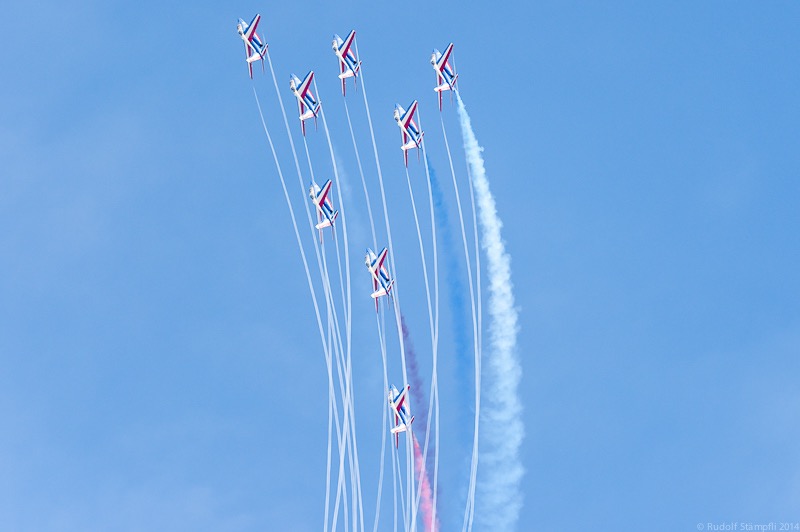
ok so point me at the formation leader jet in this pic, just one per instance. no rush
(381, 282)
(402, 421)
(305, 98)
(446, 76)
(254, 47)
(349, 65)
(325, 213)
(412, 136)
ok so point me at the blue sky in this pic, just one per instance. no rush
(160, 364)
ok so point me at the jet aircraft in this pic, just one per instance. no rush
(412, 136)
(305, 98)
(325, 212)
(446, 76)
(381, 282)
(349, 65)
(254, 47)
(402, 422)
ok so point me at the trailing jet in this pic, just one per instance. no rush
(254, 47)
(412, 136)
(349, 65)
(446, 76)
(381, 282)
(402, 422)
(325, 213)
(305, 98)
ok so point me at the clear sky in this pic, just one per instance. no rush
(160, 368)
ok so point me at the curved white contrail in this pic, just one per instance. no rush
(379, 321)
(475, 333)
(396, 299)
(325, 344)
(345, 433)
(499, 498)
(433, 319)
(434, 399)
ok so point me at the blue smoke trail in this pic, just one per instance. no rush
(499, 499)
(456, 291)
(460, 321)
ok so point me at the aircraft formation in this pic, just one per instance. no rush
(417, 498)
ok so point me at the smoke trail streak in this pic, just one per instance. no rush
(421, 411)
(429, 520)
(347, 309)
(462, 362)
(434, 405)
(345, 380)
(470, 510)
(378, 322)
(421, 460)
(406, 523)
(384, 422)
(325, 345)
(433, 326)
(396, 300)
(336, 341)
(456, 293)
(500, 498)
(455, 282)
(347, 406)
(342, 364)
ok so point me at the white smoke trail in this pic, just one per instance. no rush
(348, 313)
(479, 299)
(343, 435)
(378, 320)
(325, 345)
(396, 299)
(499, 498)
(434, 342)
(475, 340)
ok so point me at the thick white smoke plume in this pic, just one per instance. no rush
(498, 500)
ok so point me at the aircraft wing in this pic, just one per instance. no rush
(400, 398)
(250, 32)
(305, 85)
(347, 58)
(410, 128)
(381, 258)
(441, 64)
(322, 197)
(348, 42)
(408, 117)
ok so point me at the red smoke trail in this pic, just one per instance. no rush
(417, 387)
(426, 497)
